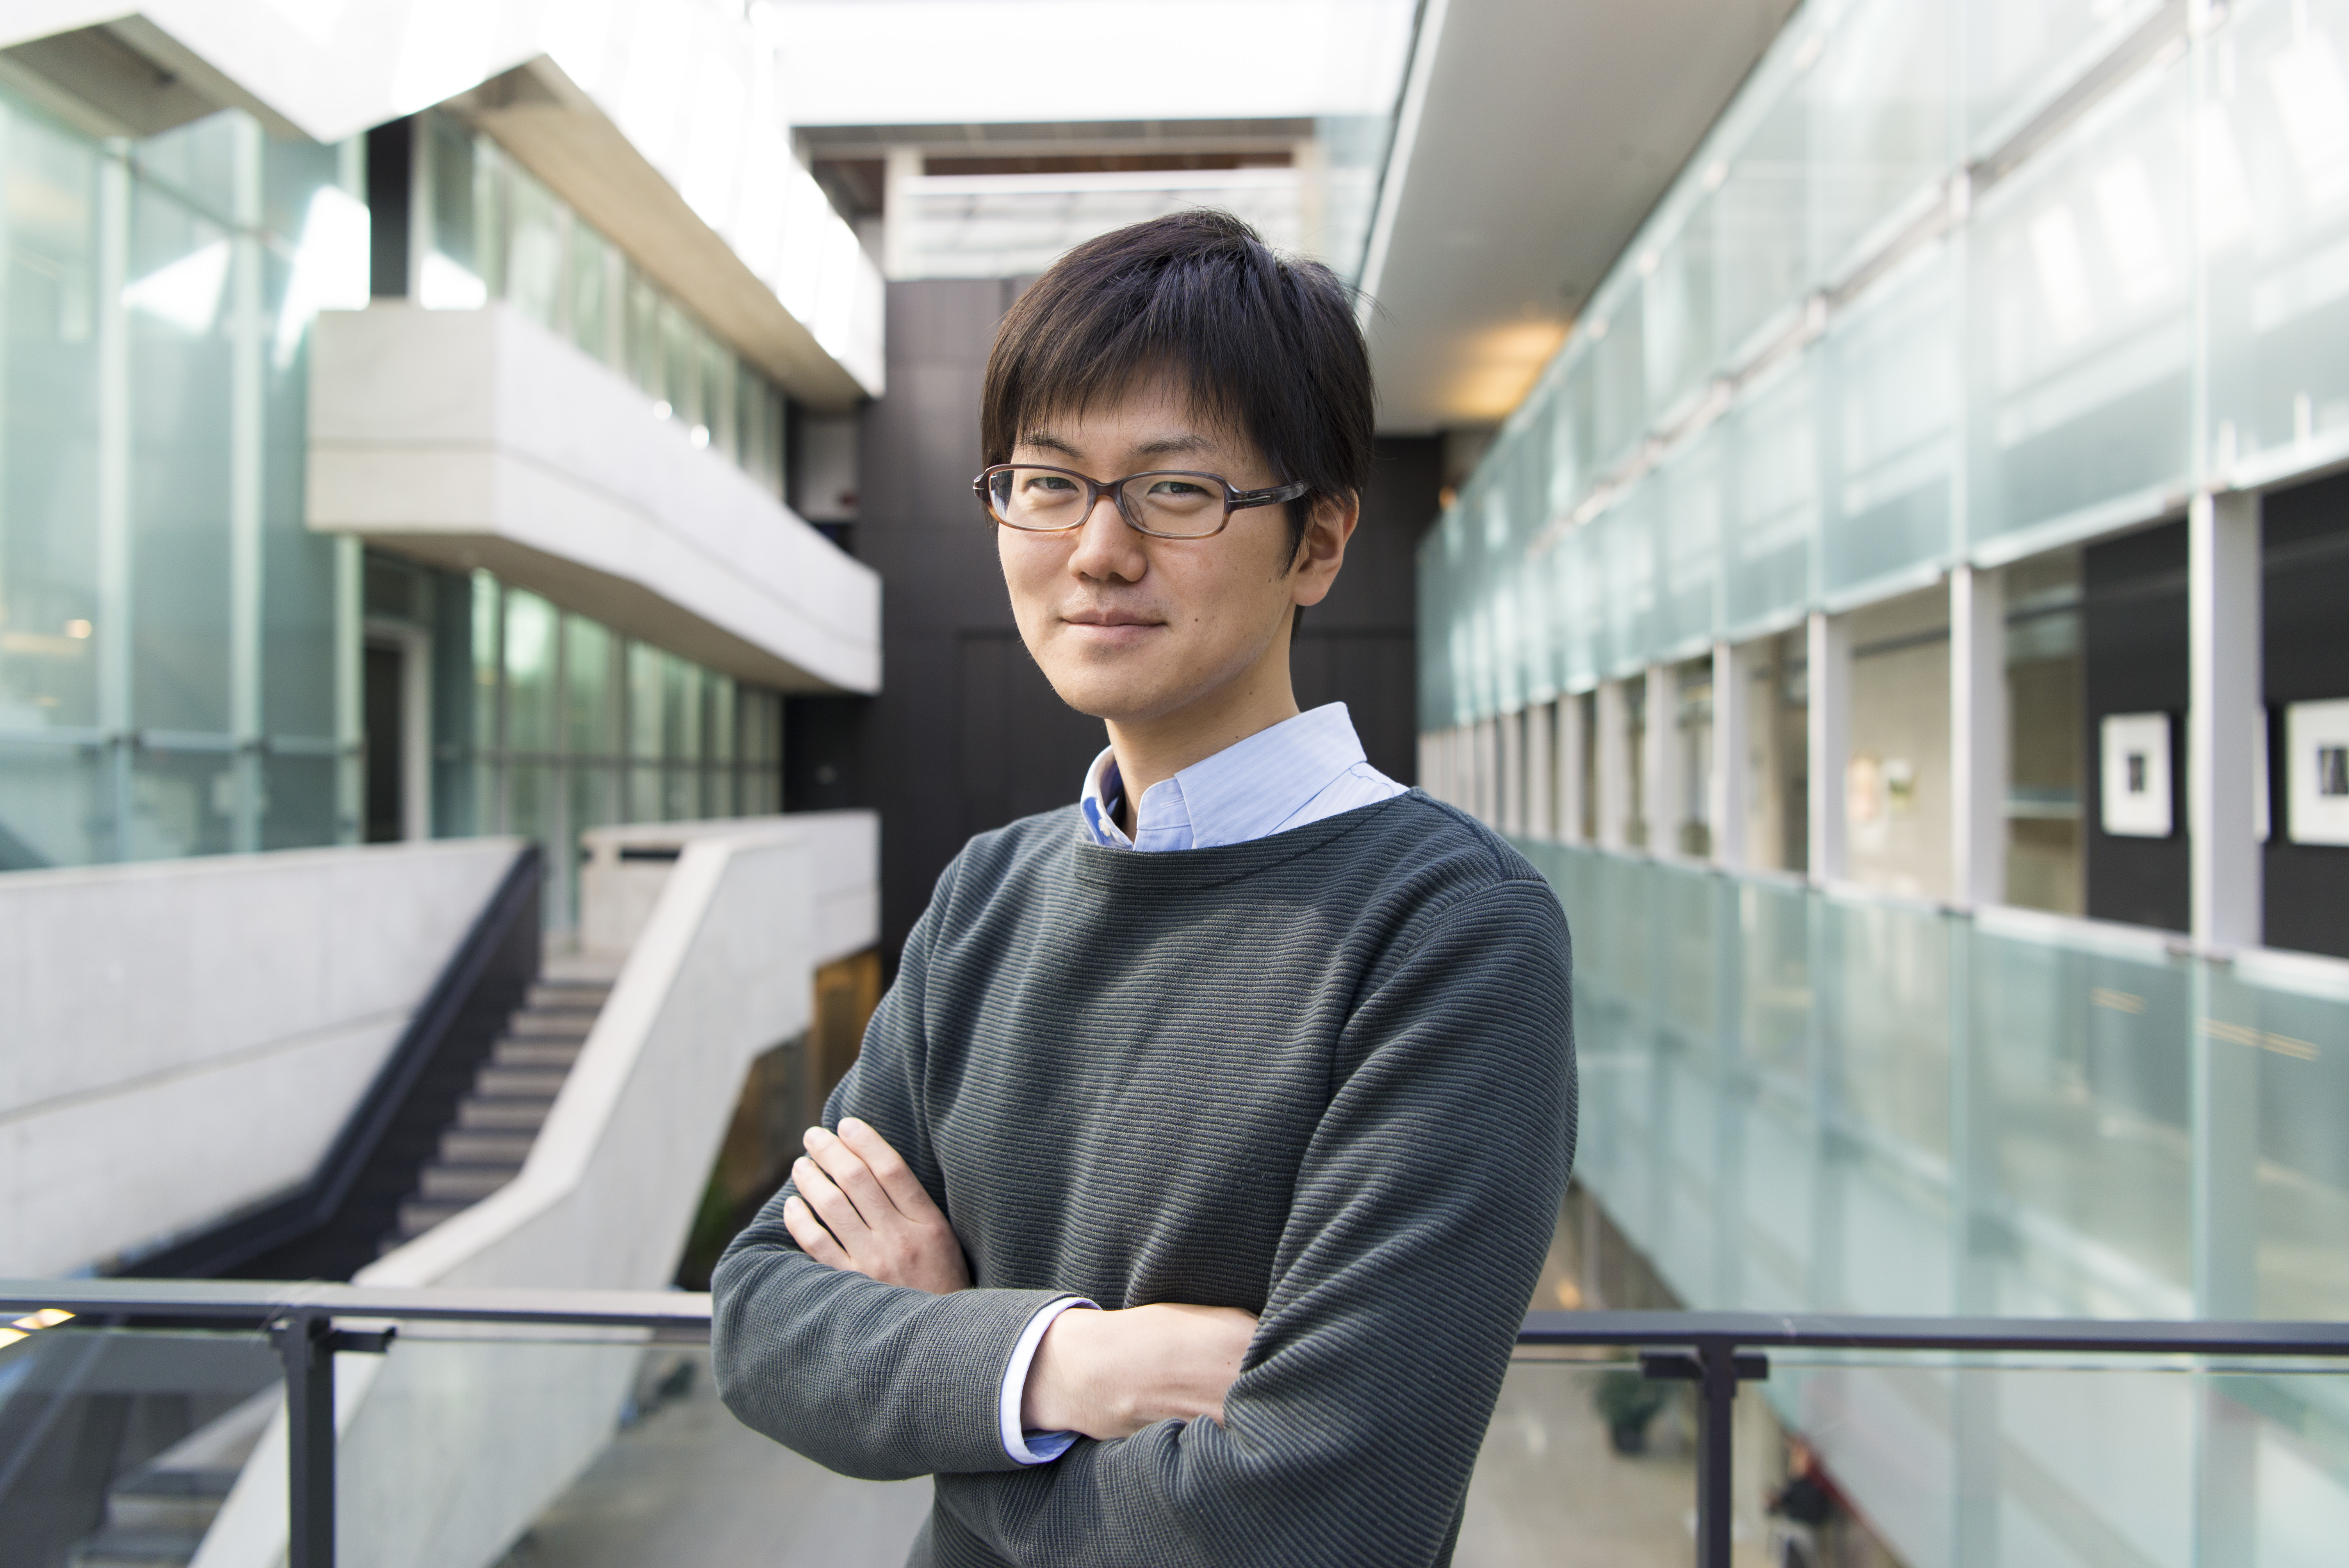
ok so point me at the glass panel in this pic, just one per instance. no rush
(1691, 544)
(588, 271)
(1775, 497)
(2273, 144)
(1762, 222)
(2021, 54)
(590, 720)
(644, 704)
(2082, 342)
(533, 724)
(298, 566)
(1880, 132)
(54, 808)
(182, 803)
(298, 801)
(151, 1421)
(1676, 303)
(49, 442)
(196, 162)
(1620, 391)
(534, 252)
(181, 279)
(2277, 1036)
(1890, 373)
(2084, 1063)
(681, 374)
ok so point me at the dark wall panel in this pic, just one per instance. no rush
(966, 734)
(2306, 605)
(2133, 630)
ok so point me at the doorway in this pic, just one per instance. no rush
(395, 697)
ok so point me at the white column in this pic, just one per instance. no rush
(902, 166)
(1829, 731)
(2222, 589)
(248, 330)
(1488, 772)
(1978, 737)
(1573, 745)
(1613, 749)
(1731, 762)
(1660, 773)
(113, 494)
(1510, 754)
(1541, 782)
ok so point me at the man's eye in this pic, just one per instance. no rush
(1177, 489)
(1051, 483)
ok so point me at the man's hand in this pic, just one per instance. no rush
(875, 1218)
(1112, 1374)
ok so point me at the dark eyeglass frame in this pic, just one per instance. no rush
(1234, 500)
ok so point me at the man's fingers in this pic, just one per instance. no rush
(903, 1188)
(838, 1214)
(849, 1174)
(814, 1238)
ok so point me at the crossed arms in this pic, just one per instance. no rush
(1097, 1373)
(849, 1327)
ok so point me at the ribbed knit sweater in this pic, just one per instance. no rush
(1326, 1075)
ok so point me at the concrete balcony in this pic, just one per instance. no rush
(476, 438)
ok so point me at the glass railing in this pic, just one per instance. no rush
(1954, 1441)
(1805, 1100)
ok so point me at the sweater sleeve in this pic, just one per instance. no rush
(1422, 1213)
(873, 1380)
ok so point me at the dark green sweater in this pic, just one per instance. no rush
(1326, 1075)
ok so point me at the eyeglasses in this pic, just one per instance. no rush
(1167, 503)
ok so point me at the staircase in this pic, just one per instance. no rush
(498, 1118)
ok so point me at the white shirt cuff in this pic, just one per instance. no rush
(1032, 1448)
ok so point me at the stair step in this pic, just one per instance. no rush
(462, 1183)
(477, 1146)
(115, 1548)
(418, 1215)
(164, 1500)
(569, 994)
(513, 1053)
(496, 1082)
(504, 1113)
(536, 1025)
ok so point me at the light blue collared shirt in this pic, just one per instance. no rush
(1299, 771)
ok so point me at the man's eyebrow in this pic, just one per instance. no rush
(1049, 441)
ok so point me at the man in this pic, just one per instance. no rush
(1195, 1172)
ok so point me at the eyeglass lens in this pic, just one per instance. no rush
(1180, 505)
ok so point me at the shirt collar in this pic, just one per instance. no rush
(1244, 791)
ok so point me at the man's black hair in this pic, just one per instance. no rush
(1266, 346)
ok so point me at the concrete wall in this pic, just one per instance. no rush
(181, 1040)
(451, 1445)
(475, 437)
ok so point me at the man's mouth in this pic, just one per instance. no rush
(1112, 618)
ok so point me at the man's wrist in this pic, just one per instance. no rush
(1060, 1394)
(1050, 1442)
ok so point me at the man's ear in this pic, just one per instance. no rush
(1322, 549)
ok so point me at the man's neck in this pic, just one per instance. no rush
(1156, 749)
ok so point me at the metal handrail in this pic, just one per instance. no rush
(1715, 1350)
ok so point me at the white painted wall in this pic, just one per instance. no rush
(180, 1040)
(618, 896)
(450, 1447)
(479, 428)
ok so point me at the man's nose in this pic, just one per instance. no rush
(1106, 547)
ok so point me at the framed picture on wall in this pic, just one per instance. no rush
(2316, 783)
(2135, 769)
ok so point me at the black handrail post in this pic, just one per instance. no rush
(1715, 1504)
(305, 1344)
